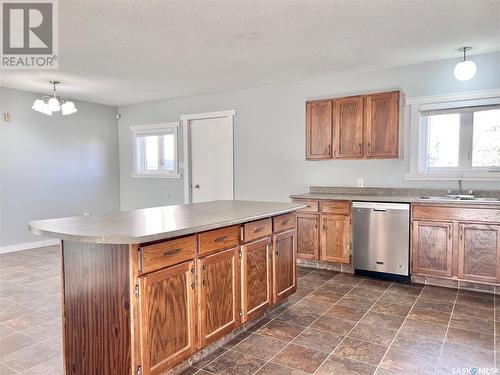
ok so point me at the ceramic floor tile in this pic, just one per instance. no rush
(32, 356)
(408, 363)
(346, 312)
(234, 363)
(372, 333)
(360, 350)
(383, 320)
(418, 344)
(341, 365)
(434, 331)
(465, 356)
(470, 338)
(300, 358)
(263, 347)
(280, 330)
(391, 308)
(297, 316)
(333, 325)
(275, 369)
(318, 340)
(431, 316)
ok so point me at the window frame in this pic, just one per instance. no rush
(420, 108)
(138, 151)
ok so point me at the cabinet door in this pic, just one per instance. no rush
(319, 129)
(348, 128)
(167, 317)
(382, 125)
(284, 265)
(219, 306)
(308, 236)
(479, 252)
(432, 248)
(336, 238)
(256, 258)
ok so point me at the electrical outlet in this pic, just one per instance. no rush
(360, 182)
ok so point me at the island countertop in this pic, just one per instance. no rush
(157, 223)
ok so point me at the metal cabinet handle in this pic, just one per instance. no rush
(197, 186)
(286, 222)
(259, 229)
(220, 239)
(172, 252)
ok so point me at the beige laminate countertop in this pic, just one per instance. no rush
(390, 198)
(157, 223)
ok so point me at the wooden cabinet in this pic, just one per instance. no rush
(432, 248)
(335, 238)
(319, 129)
(307, 236)
(358, 127)
(167, 317)
(219, 289)
(284, 265)
(381, 134)
(479, 252)
(256, 259)
(348, 128)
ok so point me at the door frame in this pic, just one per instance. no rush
(186, 126)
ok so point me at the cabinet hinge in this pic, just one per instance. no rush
(240, 254)
(241, 313)
(136, 290)
(139, 370)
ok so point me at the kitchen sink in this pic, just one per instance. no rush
(460, 198)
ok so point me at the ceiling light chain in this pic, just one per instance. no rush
(50, 104)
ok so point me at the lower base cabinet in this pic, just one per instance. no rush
(308, 236)
(256, 259)
(167, 305)
(284, 269)
(219, 296)
(336, 238)
(479, 252)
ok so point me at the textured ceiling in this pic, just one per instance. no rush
(122, 52)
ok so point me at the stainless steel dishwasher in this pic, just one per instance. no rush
(381, 239)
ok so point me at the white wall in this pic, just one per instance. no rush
(270, 133)
(54, 166)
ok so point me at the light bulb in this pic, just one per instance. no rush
(68, 108)
(465, 70)
(38, 105)
(54, 105)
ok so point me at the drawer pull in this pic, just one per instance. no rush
(285, 222)
(172, 252)
(220, 239)
(259, 229)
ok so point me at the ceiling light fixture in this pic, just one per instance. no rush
(466, 69)
(50, 104)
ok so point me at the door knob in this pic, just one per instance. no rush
(196, 186)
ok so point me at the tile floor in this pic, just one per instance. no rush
(335, 324)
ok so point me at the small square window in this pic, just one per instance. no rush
(155, 150)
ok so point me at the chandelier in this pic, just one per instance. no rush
(49, 104)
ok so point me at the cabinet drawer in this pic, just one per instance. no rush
(336, 207)
(312, 206)
(218, 239)
(164, 254)
(257, 229)
(283, 222)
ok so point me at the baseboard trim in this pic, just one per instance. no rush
(28, 245)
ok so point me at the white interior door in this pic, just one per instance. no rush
(211, 159)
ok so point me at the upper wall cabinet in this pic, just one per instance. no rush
(319, 129)
(355, 127)
(382, 125)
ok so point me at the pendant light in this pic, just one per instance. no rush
(53, 103)
(465, 69)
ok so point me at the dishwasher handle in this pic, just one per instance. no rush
(382, 207)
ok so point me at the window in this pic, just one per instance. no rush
(155, 150)
(460, 140)
(455, 137)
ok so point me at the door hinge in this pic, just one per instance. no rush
(139, 370)
(241, 313)
(136, 290)
(240, 254)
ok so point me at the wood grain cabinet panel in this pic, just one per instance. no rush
(218, 239)
(382, 125)
(335, 238)
(167, 317)
(284, 270)
(167, 253)
(319, 129)
(479, 252)
(432, 248)
(348, 128)
(311, 206)
(256, 259)
(307, 236)
(257, 229)
(284, 222)
(219, 292)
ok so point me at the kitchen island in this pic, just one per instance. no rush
(145, 289)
